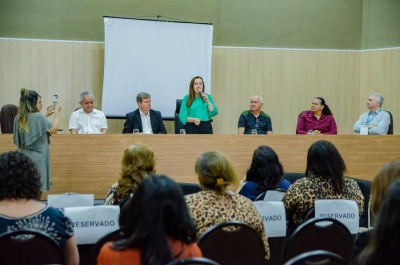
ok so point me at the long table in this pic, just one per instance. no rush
(91, 163)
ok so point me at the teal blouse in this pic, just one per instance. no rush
(198, 109)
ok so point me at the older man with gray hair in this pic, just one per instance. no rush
(87, 119)
(255, 121)
(376, 120)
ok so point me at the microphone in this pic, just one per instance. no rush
(201, 94)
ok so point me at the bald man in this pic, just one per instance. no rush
(254, 120)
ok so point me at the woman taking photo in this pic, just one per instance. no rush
(319, 120)
(32, 131)
(197, 109)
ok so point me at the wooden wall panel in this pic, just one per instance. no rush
(91, 163)
(380, 72)
(287, 79)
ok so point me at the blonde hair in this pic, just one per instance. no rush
(137, 163)
(27, 104)
(215, 171)
(387, 174)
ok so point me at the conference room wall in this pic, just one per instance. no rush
(333, 24)
(287, 79)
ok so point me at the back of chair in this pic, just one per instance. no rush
(193, 261)
(189, 188)
(271, 195)
(113, 236)
(233, 243)
(320, 234)
(274, 220)
(317, 257)
(301, 113)
(7, 115)
(390, 131)
(29, 247)
(178, 123)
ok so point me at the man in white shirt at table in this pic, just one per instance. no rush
(376, 120)
(87, 119)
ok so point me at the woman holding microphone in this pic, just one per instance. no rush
(197, 109)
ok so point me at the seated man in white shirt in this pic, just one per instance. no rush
(376, 120)
(87, 120)
(144, 119)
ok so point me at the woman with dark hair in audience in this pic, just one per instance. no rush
(157, 227)
(137, 163)
(324, 180)
(20, 207)
(319, 120)
(7, 115)
(216, 204)
(32, 131)
(197, 108)
(383, 178)
(265, 173)
(383, 247)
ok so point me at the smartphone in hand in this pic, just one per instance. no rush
(55, 99)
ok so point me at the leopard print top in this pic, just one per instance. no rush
(300, 197)
(209, 208)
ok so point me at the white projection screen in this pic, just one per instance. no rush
(153, 56)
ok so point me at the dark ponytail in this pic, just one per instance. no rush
(326, 110)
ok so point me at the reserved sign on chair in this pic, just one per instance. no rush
(345, 211)
(93, 222)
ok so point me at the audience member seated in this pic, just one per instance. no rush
(157, 228)
(385, 176)
(20, 207)
(376, 120)
(137, 163)
(324, 180)
(144, 119)
(319, 120)
(383, 247)
(255, 121)
(87, 119)
(215, 204)
(7, 115)
(265, 173)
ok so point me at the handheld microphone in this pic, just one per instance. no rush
(201, 94)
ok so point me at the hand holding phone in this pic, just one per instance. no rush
(55, 99)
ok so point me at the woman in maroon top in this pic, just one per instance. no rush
(319, 120)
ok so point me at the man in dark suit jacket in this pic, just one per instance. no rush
(144, 118)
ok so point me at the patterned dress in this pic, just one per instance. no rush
(300, 197)
(49, 220)
(209, 208)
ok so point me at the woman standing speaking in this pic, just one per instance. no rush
(197, 109)
(32, 131)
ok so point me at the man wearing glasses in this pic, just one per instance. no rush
(255, 121)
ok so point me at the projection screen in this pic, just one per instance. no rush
(153, 56)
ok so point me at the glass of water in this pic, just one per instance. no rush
(253, 131)
(182, 131)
